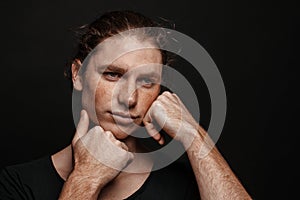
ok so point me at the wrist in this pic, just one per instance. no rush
(78, 185)
(188, 134)
(187, 138)
(88, 177)
(201, 143)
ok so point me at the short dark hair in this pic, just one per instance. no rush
(107, 25)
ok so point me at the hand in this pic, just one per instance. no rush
(170, 113)
(95, 148)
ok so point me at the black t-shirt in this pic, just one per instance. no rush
(38, 179)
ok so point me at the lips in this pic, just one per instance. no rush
(123, 118)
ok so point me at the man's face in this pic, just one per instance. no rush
(117, 91)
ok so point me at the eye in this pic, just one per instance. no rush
(112, 76)
(146, 82)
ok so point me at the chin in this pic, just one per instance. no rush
(119, 131)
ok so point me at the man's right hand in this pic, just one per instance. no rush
(94, 151)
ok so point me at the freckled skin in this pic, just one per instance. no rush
(104, 93)
(109, 95)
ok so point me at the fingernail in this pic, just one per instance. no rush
(161, 141)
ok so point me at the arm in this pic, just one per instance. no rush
(214, 177)
(90, 149)
(80, 186)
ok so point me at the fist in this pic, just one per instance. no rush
(97, 153)
(172, 116)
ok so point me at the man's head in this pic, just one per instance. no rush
(118, 71)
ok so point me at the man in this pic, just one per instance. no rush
(117, 72)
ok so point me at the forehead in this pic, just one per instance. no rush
(142, 57)
(126, 52)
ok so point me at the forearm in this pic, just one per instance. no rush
(80, 187)
(214, 177)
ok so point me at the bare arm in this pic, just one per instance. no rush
(90, 149)
(214, 177)
(79, 186)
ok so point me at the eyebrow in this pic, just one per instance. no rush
(111, 67)
(152, 75)
(121, 70)
(116, 69)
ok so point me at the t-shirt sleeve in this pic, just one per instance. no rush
(10, 186)
(36, 179)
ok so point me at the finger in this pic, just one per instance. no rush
(130, 158)
(110, 135)
(82, 126)
(117, 142)
(122, 145)
(161, 141)
(148, 118)
(154, 133)
(157, 113)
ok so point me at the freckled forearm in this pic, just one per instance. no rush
(214, 177)
(80, 187)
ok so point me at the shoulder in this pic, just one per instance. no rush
(27, 180)
(32, 171)
(23, 168)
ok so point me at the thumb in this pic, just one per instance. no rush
(82, 126)
(152, 131)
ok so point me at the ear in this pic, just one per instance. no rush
(76, 77)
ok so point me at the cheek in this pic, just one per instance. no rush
(147, 99)
(103, 94)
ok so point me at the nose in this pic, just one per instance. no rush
(128, 94)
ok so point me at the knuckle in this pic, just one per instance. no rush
(165, 96)
(176, 97)
(110, 135)
(160, 97)
(156, 104)
(96, 129)
(108, 132)
(167, 93)
(123, 145)
(118, 143)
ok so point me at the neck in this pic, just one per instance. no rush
(63, 160)
(132, 144)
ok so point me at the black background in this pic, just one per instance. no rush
(253, 43)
